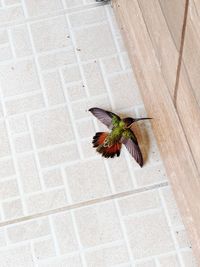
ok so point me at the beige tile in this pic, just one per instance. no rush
(52, 178)
(51, 127)
(11, 14)
(120, 174)
(98, 224)
(73, 3)
(50, 34)
(21, 41)
(23, 143)
(8, 189)
(189, 259)
(172, 208)
(18, 124)
(87, 149)
(182, 238)
(2, 237)
(149, 235)
(44, 249)
(58, 155)
(83, 184)
(90, 16)
(19, 78)
(53, 88)
(12, 209)
(130, 95)
(4, 144)
(140, 202)
(46, 201)
(149, 263)
(28, 230)
(86, 40)
(80, 109)
(71, 74)
(111, 64)
(29, 175)
(150, 174)
(24, 104)
(76, 91)
(57, 59)
(110, 256)
(85, 128)
(6, 168)
(94, 78)
(17, 256)
(71, 261)
(65, 233)
(3, 36)
(36, 8)
(171, 261)
(11, 2)
(5, 53)
(126, 61)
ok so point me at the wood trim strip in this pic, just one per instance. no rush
(181, 52)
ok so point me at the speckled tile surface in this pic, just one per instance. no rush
(61, 204)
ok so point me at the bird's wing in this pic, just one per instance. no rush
(108, 118)
(131, 144)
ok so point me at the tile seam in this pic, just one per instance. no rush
(84, 204)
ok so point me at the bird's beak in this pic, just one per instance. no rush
(141, 119)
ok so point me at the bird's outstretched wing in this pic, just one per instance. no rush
(108, 118)
(131, 144)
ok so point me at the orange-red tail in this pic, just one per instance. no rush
(106, 151)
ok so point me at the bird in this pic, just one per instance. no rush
(109, 144)
(103, 1)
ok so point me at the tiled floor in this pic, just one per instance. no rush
(61, 204)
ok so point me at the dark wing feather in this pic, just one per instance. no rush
(106, 117)
(131, 144)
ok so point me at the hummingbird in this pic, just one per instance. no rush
(109, 144)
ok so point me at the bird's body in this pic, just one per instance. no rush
(109, 144)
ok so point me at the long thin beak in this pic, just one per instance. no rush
(141, 119)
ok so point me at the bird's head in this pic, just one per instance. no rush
(128, 122)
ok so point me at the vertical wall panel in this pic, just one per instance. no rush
(176, 124)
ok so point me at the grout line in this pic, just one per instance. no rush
(66, 187)
(180, 259)
(124, 232)
(11, 43)
(33, 254)
(13, 155)
(72, 120)
(180, 59)
(37, 66)
(85, 203)
(79, 62)
(110, 23)
(81, 250)
(53, 234)
(35, 154)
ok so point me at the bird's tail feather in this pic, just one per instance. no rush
(106, 151)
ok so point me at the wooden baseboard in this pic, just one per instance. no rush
(153, 39)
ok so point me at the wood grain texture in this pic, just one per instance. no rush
(169, 123)
(173, 11)
(165, 49)
(191, 54)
